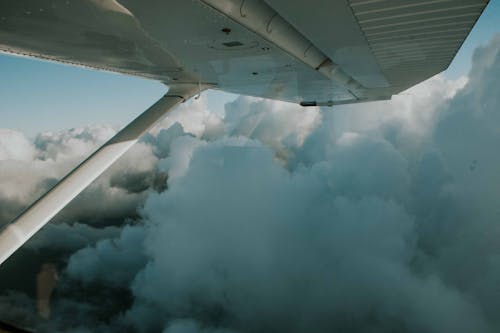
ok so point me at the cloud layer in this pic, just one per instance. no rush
(379, 217)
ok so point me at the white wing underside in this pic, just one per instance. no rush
(270, 48)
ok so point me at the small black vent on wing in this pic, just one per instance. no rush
(232, 44)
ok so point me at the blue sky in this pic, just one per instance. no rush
(38, 96)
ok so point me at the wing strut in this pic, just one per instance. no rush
(14, 235)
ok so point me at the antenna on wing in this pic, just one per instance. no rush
(199, 90)
(241, 9)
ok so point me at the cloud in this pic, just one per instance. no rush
(195, 118)
(377, 217)
(33, 167)
(123, 257)
(264, 246)
(280, 126)
(15, 146)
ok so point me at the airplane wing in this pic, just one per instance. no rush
(315, 51)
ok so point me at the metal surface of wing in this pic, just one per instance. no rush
(413, 40)
(317, 50)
